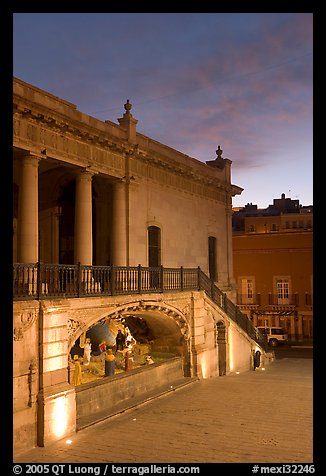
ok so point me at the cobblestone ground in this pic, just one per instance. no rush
(253, 417)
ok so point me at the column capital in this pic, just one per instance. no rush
(86, 173)
(32, 159)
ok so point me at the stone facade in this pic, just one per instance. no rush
(88, 192)
(95, 187)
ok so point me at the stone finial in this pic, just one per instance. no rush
(219, 152)
(219, 162)
(127, 107)
(128, 122)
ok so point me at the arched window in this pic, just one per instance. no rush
(154, 246)
(212, 258)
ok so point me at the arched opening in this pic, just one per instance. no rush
(221, 343)
(148, 337)
(150, 365)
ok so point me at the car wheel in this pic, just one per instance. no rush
(273, 342)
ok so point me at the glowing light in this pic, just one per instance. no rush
(171, 386)
(60, 416)
(134, 419)
(237, 373)
(203, 364)
(263, 368)
(231, 350)
(68, 442)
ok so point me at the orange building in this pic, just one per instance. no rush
(272, 257)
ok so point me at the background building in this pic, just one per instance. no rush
(273, 254)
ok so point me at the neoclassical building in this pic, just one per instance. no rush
(100, 193)
(109, 223)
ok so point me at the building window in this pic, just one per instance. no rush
(154, 246)
(273, 227)
(212, 267)
(251, 228)
(282, 291)
(247, 291)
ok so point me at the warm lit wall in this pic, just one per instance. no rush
(240, 350)
(25, 373)
(186, 221)
(281, 254)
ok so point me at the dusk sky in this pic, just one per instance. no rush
(243, 81)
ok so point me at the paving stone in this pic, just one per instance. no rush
(253, 417)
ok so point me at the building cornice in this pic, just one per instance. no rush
(70, 123)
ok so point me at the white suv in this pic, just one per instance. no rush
(274, 335)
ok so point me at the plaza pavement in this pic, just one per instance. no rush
(254, 417)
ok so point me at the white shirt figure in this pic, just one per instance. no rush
(87, 352)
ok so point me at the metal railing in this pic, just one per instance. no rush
(244, 299)
(43, 281)
(283, 300)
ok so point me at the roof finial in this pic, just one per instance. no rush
(219, 162)
(219, 152)
(128, 122)
(127, 107)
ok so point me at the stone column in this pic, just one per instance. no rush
(292, 327)
(56, 398)
(300, 327)
(27, 251)
(83, 218)
(119, 225)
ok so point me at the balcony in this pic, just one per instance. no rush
(43, 281)
(245, 300)
(286, 300)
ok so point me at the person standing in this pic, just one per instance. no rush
(128, 360)
(102, 346)
(120, 341)
(110, 363)
(77, 373)
(87, 351)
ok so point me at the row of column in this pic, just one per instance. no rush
(28, 226)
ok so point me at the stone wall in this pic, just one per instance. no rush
(25, 373)
(45, 405)
(95, 399)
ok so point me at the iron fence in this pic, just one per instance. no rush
(43, 281)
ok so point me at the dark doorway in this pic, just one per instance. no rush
(154, 256)
(212, 258)
(154, 246)
(67, 224)
(221, 343)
